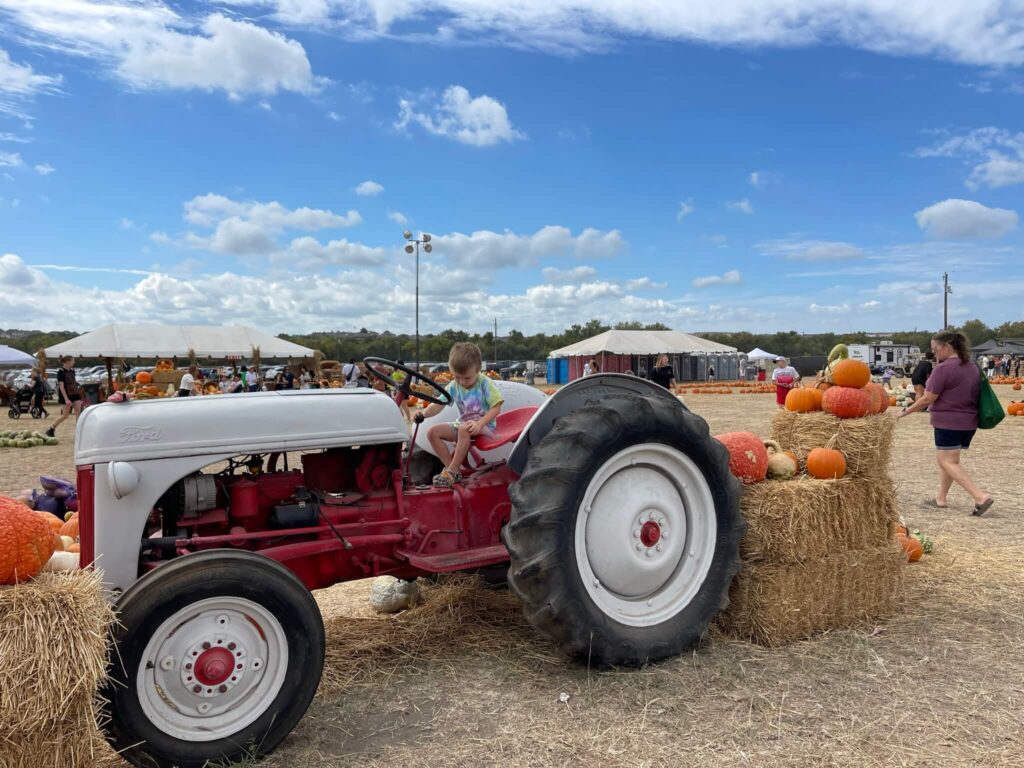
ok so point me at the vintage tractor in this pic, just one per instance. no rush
(609, 504)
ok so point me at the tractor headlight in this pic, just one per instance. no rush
(122, 477)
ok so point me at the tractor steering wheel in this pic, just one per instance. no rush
(406, 386)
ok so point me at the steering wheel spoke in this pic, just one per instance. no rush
(405, 387)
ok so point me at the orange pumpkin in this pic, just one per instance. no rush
(53, 521)
(892, 401)
(76, 547)
(803, 400)
(879, 398)
(822, 385)
(850, 373)
(912, 546)
(1016, 387)
(1013, 409)
(26, 541)
(826, 464)
(70, 528)
(143, 377)
(847, 402)
(748, 458)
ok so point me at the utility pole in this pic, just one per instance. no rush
(424, 240)
(946, 290)
(495, 341)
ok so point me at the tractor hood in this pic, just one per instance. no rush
(219, 425)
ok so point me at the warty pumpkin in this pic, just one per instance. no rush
(26, 541)
(846, 402)
(748, 458)
(879, 397)
(826, 464)
(850, 373)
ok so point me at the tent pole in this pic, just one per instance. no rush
(110, 375)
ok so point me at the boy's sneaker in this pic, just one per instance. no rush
(49, 432)
(446, 478)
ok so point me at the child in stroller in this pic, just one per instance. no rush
(25, 401)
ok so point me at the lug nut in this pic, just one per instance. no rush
(167, 663)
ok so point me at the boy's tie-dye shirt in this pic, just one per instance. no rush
(477, 400)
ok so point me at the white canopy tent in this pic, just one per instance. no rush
(757, 354)
(150, 340)
(643, 343)
(15, 358)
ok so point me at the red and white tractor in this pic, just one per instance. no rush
(609, 504)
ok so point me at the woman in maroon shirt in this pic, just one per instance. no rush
(951, 397)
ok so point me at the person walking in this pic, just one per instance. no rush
(952, 399)
(711, 373)
(663, 374)
(69, 393)
(922, 371)
(39, 393)
(991, 367)
(785, 377)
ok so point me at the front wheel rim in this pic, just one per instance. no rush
(212, 669)
(645, 534)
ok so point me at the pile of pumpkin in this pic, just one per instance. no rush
(843, 389)
(752, 459)
(1015, 409)
(32, 541)
(25, 439)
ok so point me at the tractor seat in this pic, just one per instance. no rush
(510, 425)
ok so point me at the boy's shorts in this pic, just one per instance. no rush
(487, 431)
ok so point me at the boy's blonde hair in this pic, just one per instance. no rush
(464, 357)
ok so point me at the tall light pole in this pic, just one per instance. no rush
(414, 243)
(946, 290)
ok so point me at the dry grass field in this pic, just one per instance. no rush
(464, 681)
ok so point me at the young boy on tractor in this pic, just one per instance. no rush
(479, 402)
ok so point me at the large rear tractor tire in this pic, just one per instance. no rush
(625, 530)
(217, 657)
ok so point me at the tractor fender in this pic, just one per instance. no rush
(573, 396)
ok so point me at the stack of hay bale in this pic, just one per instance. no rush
(53, 657)
(819, 554)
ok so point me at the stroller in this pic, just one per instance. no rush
(22, 403)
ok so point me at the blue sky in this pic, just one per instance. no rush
(759, 165)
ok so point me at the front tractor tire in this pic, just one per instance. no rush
(217, 657)
(625, 530)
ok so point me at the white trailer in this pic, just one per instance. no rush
(884, 353)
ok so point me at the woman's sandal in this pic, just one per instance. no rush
(981, 509)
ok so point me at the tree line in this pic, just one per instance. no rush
(338, 345)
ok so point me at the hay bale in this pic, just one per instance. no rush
(53, 658)
(795, 521)
(774, 604)
(866, 443)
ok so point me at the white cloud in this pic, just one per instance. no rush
(573, 275)
(44, 169)
(18, 84)
(810, 250)
(162, 238)
(997, 155)
(250, 228)
(756, 179)
(150, 46)
(743, 206)
(11, 160)
(984, 32)
(126, 224)
(496, 250)
(334, 116)
(965, 220)
(15, 274)
(14, 138)
(481, 121)
(399, 218)
(369, 189)
(732, 277)
(685, 209)
(264, 105)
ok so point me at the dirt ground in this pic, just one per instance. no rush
(942, 683)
